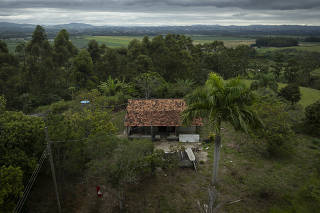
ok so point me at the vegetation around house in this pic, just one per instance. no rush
(274, 169)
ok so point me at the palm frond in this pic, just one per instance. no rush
(223, 101)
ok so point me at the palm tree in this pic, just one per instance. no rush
(219, 101)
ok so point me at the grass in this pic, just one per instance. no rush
(229, 41)
(303, 46)
(123, 41)
(308, 95)
(114, 41)
(262, 184)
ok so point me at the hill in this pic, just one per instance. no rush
(9, 30)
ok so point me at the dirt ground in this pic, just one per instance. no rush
(199, 150)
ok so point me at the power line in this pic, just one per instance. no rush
(64, 141)
(30, 182)
(52, 169)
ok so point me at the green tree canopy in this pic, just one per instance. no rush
(291, 93)
(63, 48)
(312, 113)
(83, 70)
(10, 187)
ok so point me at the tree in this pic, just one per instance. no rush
(76, 124)
(21, 140)
(277, 132)
(266, 80)
(63, 48)
(220, 101)
(120, 163)
(41, 78)
(115, 92)
(93, 49)
(3, 103)
(83, 70)
(291, 93)
(3, 47)
(39, 46)
(144, 64)
(181, 88)
(21, 53)
(151, 83)
(313, 118)
(10, 187)
(291, 71)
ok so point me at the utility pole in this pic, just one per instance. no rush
(52, 168)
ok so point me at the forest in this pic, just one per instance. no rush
(276, 42)
(253, 98)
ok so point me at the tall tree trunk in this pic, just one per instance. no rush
(213, 194)
(217, 146)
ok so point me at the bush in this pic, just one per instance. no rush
(2, 104)
(254, 85)
(291, 93)
(313, 118)
(279, 145)
(276, 42)
(277, 131)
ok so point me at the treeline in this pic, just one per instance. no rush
(39, 73)
(312, 39)
(276, 42)
(290, 66)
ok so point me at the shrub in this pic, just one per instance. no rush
(279, 145)
(2, 104)
(313, 118)
(254, 85)
(291, 93)
(277, 131)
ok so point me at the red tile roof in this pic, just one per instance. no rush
(156, 112)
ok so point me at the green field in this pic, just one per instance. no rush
(229, 41)
(303, 46)
(123, 41)
(308, 95)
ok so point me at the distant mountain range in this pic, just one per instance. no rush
(13, 30)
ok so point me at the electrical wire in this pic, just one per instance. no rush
(30, 182)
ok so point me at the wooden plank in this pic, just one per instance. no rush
(190, 154)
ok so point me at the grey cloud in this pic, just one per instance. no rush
(161, 12)
(161, 5)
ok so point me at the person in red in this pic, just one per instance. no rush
(99, 193)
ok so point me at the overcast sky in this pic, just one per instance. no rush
(161, 12)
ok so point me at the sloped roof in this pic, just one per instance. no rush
(156, 112)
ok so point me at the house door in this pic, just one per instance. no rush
(163, 131)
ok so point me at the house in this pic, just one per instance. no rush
(157, 118)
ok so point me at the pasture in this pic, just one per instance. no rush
(123, 41)
(308, 95)
(303, 46)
